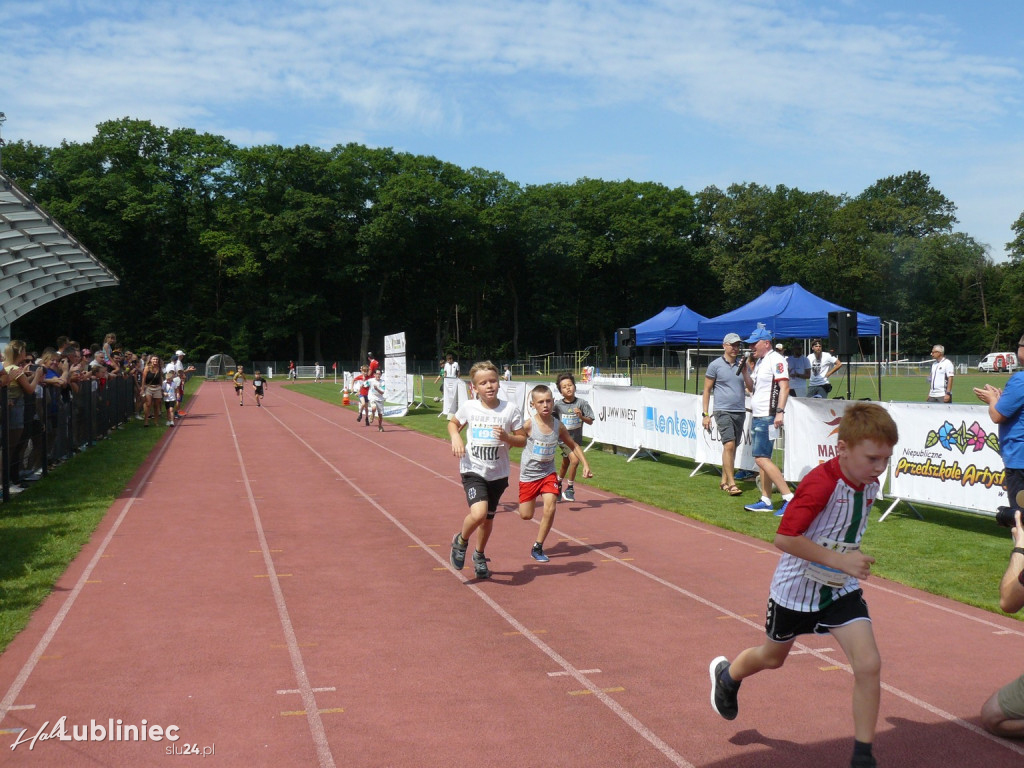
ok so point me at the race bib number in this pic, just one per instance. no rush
(571, 420)
(830, 577)
(484, 435)
(544, 451)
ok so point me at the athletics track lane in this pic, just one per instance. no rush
(274, 583)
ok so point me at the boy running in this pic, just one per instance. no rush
(376, 400)
(239, 379)
(815, 587)
(573, 412)
(491, 426)
(362, 380)
(537, 466)
(258, 383)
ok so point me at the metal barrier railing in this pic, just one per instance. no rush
(58, 424)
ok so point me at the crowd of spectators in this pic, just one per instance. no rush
(61, 399)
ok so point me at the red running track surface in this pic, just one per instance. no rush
(275, 584)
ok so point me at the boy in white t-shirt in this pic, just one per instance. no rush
(491, 425)
(170, 396)
(376, 400)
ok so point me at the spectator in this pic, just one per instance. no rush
(24, 376)
(823, 365)
(940, 384)
(799, 371)
(730, 407)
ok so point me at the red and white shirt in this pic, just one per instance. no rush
(831, 511)
(768, 370)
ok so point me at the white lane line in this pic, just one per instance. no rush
(316, 724)
(703, 601)
(642, 730)
(6, 704)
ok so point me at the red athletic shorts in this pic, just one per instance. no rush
(531, 489)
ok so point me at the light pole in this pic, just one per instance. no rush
(3, 119)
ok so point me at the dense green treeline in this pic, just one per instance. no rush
(277, 252)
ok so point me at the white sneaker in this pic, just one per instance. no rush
(170, 423)
(138, 416)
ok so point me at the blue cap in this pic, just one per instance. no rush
(761, 334)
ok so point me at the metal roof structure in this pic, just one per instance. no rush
(39, 260)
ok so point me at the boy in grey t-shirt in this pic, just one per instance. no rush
(730, 407)
(573, 412)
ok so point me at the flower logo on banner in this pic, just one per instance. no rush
(833, 422)
(962, 438)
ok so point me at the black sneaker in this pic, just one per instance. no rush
(537, 553)
(480, 565)
(723, 701)
(458, 558)
(569, 494)
(360, 416)
(863, 761)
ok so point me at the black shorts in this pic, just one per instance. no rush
(477, 490)
(782, 624)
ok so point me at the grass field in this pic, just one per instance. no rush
(949, 553)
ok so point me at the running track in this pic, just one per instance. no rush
(275, 583)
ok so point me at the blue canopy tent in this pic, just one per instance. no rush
(788, 311)
(673, 325)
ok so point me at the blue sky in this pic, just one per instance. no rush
(816, 95)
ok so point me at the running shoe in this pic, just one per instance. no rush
(723, 701)
(759, 506)
(745, 474)
(569, 494)
(480, 565)
(863, 761)
(782, 510)
(458, 558)
(360, 416)
(537, 553)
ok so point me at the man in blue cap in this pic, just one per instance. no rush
(768, 382)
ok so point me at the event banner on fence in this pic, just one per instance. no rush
(455, 392)
(947, 455)
(395, 384)
(515, 393)
(670, 422)
(618, 416)
(810, 431)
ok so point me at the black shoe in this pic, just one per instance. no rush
(723, 701)
(458, 556)
(359, 417)
(863, 761)
(480, 566)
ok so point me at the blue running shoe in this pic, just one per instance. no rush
(782, 510)
(745, 474)
(537, 553)
(458, 558)
(759, 506)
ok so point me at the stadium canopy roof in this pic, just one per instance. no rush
(39, 260)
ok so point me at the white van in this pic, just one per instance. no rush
(999, 362)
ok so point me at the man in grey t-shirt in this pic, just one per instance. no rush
(730, 407)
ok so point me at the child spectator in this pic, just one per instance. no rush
(573, 412)
(815, 587)
(170, 397)
(537, 466)
(491, 426)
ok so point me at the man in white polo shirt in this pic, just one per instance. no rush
(940, 387)
(768, 381)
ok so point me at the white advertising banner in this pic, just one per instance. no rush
(947, 455)
(515, 393)
(396, 389)
(455, 392)
(810, 429)
(670, 422)
(585, 391)
(618, 412)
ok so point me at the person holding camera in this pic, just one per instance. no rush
(1003, 713)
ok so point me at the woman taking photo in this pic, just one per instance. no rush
(23, 378)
